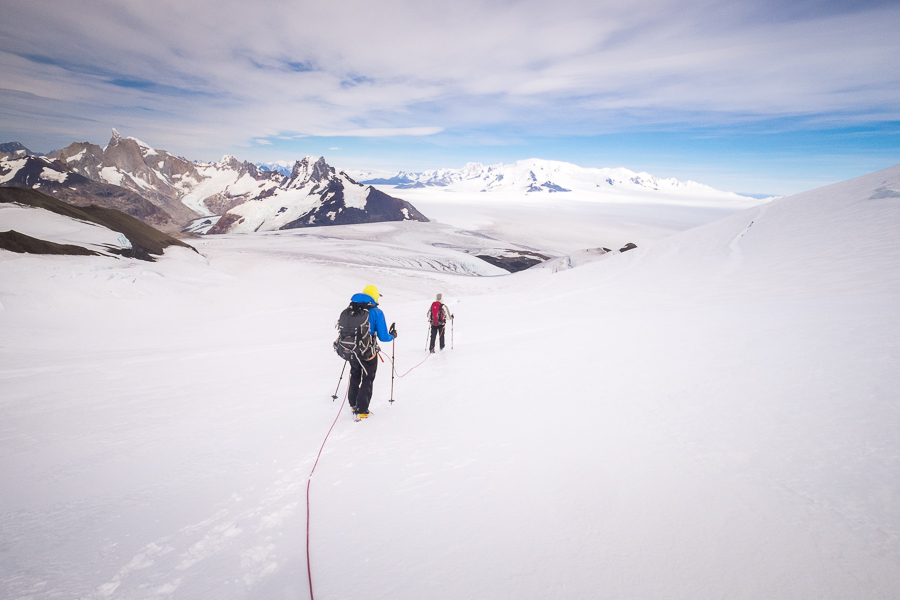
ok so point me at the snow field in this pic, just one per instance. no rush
(711, 416)
(45, 225)
(561, 222)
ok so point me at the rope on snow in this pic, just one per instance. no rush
(308, 482)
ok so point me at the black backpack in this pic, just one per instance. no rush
(355, 341)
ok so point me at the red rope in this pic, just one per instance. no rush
(308, 482)
(318, 456)
(394, 367)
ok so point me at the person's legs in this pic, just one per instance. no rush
(365, 386)
(442, 338)
(434, 331)
(355, 377)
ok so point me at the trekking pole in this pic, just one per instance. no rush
(334, 396)
(451, 332)
(393, 370)
(427, 333)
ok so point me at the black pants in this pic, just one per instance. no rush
(434, 331)
(361, 381)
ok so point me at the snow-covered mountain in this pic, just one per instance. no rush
(184, 189)
(54, 178)
(225, 184)
(281, 166)
(251, 197)
(16, 150)
(315, 194)
(544, 176)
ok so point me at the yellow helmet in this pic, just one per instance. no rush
(372, 291)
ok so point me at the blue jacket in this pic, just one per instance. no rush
(376, 317)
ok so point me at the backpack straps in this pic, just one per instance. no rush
(437, 313)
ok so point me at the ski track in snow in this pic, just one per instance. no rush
(725, 426)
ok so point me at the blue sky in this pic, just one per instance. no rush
(757, 97)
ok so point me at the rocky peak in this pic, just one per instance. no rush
(15, 150)
(229, 162)
(472, 170)
(84, 158)
(124, 153)
(306, 171)
(78, 148)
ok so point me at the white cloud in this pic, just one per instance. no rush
(263, 142)
(380, 132)
(211, 74)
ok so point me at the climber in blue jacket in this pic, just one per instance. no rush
(362, 372)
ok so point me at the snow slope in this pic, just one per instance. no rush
(45, 225)
(563, 223)
(227, 179)
(713, 415)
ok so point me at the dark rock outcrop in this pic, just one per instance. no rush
(380, 207)
(25, 244)
(223, 225)
(145, 240)
(514, 260)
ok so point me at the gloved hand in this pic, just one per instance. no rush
(452, 317)
(393, 329)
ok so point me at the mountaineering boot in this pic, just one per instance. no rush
(358, 416)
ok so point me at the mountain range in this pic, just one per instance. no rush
(544, 176)
(53, 178)
(175, 194)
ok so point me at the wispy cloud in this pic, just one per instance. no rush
(379, 132)
(203, 74)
